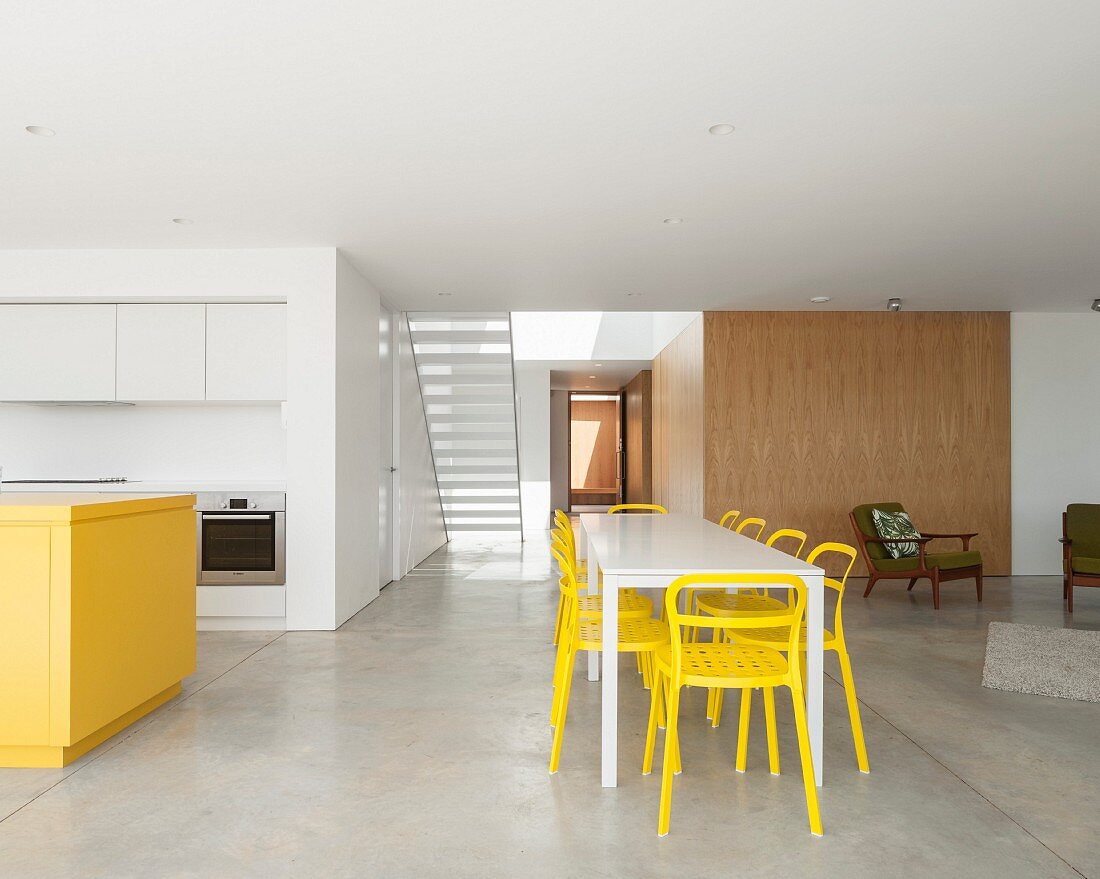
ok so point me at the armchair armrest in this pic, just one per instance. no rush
(966, 537)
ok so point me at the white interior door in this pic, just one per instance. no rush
(387, 493)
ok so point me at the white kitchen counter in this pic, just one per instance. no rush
(142, 487)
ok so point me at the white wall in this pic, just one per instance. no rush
(533, 393)
(357, 441)
(559, 450)
(421, 529)
(1055, 431)
(153, 443)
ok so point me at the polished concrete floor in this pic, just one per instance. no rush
(413, 743)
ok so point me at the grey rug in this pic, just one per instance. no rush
(1043, 660)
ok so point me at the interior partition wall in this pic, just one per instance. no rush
(797, 417)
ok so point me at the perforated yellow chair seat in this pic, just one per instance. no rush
(770, 637)
(702, 664)
(630, 605)
(727, 604)
(637, 635)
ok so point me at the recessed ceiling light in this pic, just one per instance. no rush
(893, 304)
(672, 221)
(633, 294)
(592, 376)
(441, 293)
(600, 364)
(817, 300)
(1095, 307)
(182, 221)
(721, 128)
(40, 130)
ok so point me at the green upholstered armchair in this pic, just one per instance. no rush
(936, 566)
(1080, 548)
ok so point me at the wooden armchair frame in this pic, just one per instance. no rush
(1070, 578)
(920, 569)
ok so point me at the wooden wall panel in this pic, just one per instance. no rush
(638, 438)
(593, 444)
(808, 414)
(678, 423)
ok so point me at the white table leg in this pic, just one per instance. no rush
(610, 747)
(593, 588)
(815, 668)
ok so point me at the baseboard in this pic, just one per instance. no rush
(240, 624)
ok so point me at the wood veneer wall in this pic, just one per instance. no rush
(638, 438)
(809, 414)
(678, 423)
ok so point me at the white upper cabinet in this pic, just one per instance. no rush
(246, 352)
(161, 352)
(57, 352)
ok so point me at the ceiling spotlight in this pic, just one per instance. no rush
(599, 364)
(592, 376)
(441, 293)
(1095, 307)
(721, 129)
(672, 221)
(40, 130)
(893, 304)
(182, 221)
(817, 300)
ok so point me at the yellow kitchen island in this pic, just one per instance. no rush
(97, 617)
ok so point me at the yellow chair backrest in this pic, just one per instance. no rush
(792, 534)
(786, 617)
(729, 518)
(758, 524)
(845, 550)
(624, 508)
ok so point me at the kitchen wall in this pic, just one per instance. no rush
(421, 515)
(163, 443)
(1055, 429)
(318, 450)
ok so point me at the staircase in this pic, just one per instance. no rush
(464, 361)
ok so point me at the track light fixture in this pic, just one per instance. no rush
(893, 304)
(1096, 304)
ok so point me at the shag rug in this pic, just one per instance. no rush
(1043, 660)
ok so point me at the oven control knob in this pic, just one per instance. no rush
(252, 505)
(223, 505)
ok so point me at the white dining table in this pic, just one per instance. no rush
(650, 551)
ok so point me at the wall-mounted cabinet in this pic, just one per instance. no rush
(57, 352)
(246, 352)
(143, 352)
(161, 352)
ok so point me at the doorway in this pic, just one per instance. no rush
(595, 451)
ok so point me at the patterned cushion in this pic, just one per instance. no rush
(896, 525)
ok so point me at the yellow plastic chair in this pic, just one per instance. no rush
(776, 638)
(635, 636)
(751, 522)
(729, 517)
(728, 665)
(626, 508)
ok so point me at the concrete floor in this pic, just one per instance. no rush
(414, 742)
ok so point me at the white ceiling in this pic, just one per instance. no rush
(522, 155)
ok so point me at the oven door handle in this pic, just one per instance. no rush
(251, 516)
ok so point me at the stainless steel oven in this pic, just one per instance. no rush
(241, 538)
